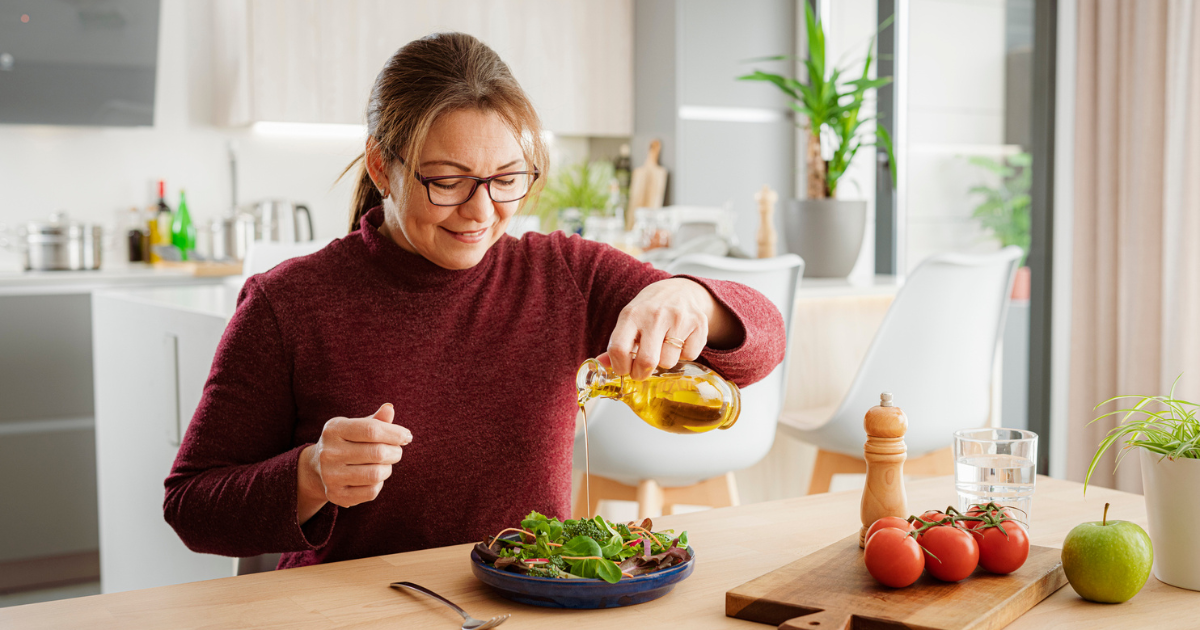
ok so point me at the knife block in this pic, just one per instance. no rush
(884, 452)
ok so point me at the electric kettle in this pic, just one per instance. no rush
(280, 221)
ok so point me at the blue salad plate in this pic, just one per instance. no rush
(582, 593)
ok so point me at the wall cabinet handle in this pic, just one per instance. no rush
(171, 371)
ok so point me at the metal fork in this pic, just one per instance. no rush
(469, 622)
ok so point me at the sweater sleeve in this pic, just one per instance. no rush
(609, 278)
(232, 489)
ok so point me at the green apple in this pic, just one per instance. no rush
(1107, 562)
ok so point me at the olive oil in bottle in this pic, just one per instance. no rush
(688, 398)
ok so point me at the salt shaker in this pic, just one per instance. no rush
(885, 453)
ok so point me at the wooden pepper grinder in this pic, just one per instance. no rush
(766, 199)
(885, 453)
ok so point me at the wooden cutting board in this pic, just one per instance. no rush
(647, 185)
(202, 269)
(831, 590)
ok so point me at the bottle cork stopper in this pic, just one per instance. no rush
(884, 452)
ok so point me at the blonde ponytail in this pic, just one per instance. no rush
(366, 196)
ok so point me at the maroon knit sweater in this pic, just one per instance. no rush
(479, 364)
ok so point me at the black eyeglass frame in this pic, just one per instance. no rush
(486, 181)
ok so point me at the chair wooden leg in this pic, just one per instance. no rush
(715, 492)
(603, 489)
(731, 487)
(649, 499)
(652, 498)
(829, 464)
(935, 464)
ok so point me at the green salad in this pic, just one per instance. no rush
(584, 548)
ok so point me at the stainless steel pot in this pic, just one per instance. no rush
(60, 244)
(232, 236)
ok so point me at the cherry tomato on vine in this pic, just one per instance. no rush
(979, 510)
(933, 516)
(999, 553)
(888, 521)
(952, 554)
(893, 557)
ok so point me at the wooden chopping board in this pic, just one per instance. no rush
(647, 185)
(831, 590)
(202, 269)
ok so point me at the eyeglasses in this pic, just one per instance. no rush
(455, 190)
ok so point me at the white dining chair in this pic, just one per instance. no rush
(632, 461)
(935, 352)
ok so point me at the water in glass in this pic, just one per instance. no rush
(1004, 479)
(996, 465)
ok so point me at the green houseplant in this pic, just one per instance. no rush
(1004, 208)
(583, 187)
(828, 233)
(1166, 433)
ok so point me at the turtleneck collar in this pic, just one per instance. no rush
(410, 271)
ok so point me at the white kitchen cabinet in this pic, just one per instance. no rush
(47, 420)
(152, 350)
(316, 60)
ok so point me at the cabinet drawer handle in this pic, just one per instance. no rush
(172, 415)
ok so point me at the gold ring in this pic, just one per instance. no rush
(678, 343)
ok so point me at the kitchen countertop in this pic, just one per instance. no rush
(221, 299)
(217, 300)
(16, 282)
(734, 545)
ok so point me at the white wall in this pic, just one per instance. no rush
(955, 109)
(849, 27)
(93, 173)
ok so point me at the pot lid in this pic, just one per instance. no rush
(59, 225)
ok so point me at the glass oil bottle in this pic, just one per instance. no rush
(688, 398)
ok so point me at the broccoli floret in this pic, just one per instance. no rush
(584, 527)
(549, 571)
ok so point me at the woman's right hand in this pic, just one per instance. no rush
(350, 462)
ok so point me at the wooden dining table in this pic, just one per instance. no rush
(733, 545)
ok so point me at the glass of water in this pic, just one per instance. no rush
(996, 465)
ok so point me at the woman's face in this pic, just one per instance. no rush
(463, 142)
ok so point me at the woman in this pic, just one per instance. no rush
(428, 334)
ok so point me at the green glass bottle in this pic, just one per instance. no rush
(183, 233)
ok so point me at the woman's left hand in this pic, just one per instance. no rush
(669, 320)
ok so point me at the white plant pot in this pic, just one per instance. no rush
(1170, 488)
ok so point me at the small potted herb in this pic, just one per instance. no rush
(1166, 434)
(575, 193)
(828, 232)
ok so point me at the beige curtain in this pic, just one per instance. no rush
(1135, 309)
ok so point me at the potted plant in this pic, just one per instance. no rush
(1166, 434)
(575, 193)
(825, 231)
(1004, 210)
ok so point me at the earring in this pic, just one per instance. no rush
(383, 193)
